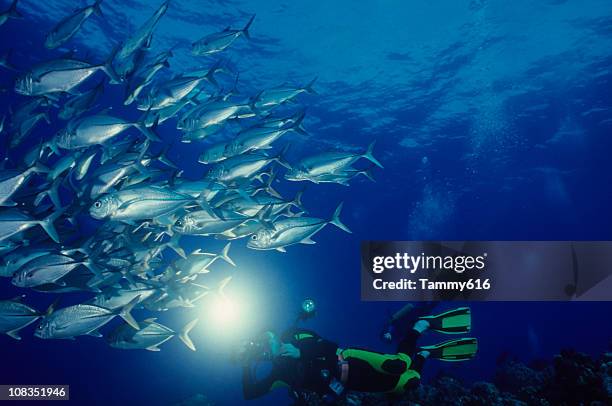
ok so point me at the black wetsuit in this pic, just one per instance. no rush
(368, 371)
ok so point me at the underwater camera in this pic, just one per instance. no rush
(253, 350)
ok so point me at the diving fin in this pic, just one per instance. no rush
(456, 321)
(461, 349)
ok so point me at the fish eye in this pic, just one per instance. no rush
(254, 237)
(179, 223)
(98, 204)
(29, 275)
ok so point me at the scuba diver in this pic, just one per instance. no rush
(305, 362)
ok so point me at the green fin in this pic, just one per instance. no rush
(462, 349)
(456, 321)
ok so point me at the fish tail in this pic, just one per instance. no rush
(225, 254)
(245, 30)
(210, 75)
(368, 174)
(184, 334)
(297, 124)
(97, 9)
(335, 220)
(47, 225)
(174, 243)
(108, 68)
(309, 88)
(13, 12)
(280, 158)
(297, 202)
(148, 132)
(222, 285)
(369, 155)
(125, 313)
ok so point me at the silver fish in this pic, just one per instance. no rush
(140, 39)
(138, 203)
(67, 27)
(243, 166)
(149, 337)
(83, 165)
(97, 130)
(213, 154)
(213, 114)
(45, 269)
(59, 75)
(15, 315)
(219, 41)
(81, 319)
(26, 127)
(13, 221)
(260, 138)
(143, 77)
(11, 12)
(16, 260)
(328, 163)
(173, 91)
(291, 231)
(270, 98)
(198, 262)
(206, 222)
(119, 298)
(342, 178)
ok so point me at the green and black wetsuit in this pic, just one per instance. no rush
(368, 371)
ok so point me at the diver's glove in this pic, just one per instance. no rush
(290, 351)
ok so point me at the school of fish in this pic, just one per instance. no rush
(113, 207)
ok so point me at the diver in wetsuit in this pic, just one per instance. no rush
(305, 362)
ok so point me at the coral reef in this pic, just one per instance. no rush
(572, 378)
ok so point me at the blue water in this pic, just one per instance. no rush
(493, 120)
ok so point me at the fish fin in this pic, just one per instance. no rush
(280, 158)
(52, 307)
(148, 132)
(149, 320)
(335, 220)
(309, 88)
(93, 268)
(125, 314)
(225, 254)
(297, 202)
(184, 335)
(308, 241)
(297, 124)
(108, 68)
(222, 285)
(368, 174)
(95, 333)
(12, 12)
(368, 155)
(47, 225)
(97, 9)
(154, 348)
(210, 75)
(245, 30)
(281, 249)
(174, 243)
(14, 334)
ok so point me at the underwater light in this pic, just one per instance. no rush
(224, 311)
